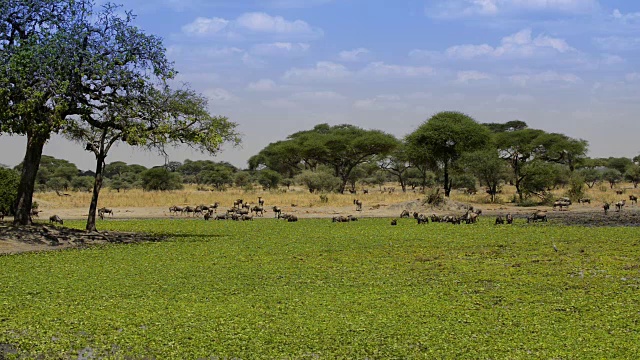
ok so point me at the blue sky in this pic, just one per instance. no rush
(280, 66)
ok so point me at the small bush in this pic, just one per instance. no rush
(434, 197)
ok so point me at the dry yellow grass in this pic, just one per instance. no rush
(296, 195)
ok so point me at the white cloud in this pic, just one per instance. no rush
(466, 76)
(265, 23)
(323, 71)
(466, 8)
(251, 23)
(262, 85)
(353, 55)
(380, 69)
(279, 104)
(520, 44)
(205, 26)
(547, 76)
(629, 17)
(220, 96)
(280, 48)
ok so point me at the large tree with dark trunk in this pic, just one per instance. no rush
(64, 59)
(444, 138)
(157, 119)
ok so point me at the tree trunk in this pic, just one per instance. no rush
(97, 185)
(447, 186)
(30, 165)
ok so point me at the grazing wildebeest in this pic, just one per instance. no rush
(499, 220)
(277, 211)
(246, 217)
(619, 192)
(620, 205)
(538, 215)
(260, 201)
(292, 218)
(634, 199)
(56, 219)
(584, 201)
(422, 219)
(509, 219)
(405, 214)
(606, 207)
(358, 204)
(394, 222)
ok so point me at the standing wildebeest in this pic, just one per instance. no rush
(605, 207)
(499, 220)
(214, 206)
(207, 215)
(237, 202)
(538, 215)
(358, 204)
(634, 199)
(509, 219)
(620, 205)
(561, 203)
(260, 201)
(175, 209)
(189, 210)
(277, 211)
(104, 210)
(405, 214)
(259, 210)
(584, 201)
(55, 218)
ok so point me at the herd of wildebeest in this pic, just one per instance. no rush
(243, 211)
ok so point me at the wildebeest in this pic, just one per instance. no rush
(55, 219)
(214, 206)
(422, 219)
(352, 218)
(258, 210)
(435, 218)
(620, 205)
(260, 201)
(499, 220)
(189, 210)
(339, 218)
(561, 203)
(584, 201)
(175, 209)
(221, 217)
(104, 210)
(358, 204)
(538, 215)
(394, 222)
(237, 202)
(619, 192)
(207, 215)
(605, 207)
(405, 214)
(35, 212)
(509, 219)
(246, 217)
(277, 211)
(634, 199)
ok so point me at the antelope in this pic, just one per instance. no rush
(55, 219)
(620, 205)
(634, 199)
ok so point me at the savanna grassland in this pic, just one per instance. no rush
(316, 289)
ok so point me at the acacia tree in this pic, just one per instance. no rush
(157, 120)
(488, 167)
(518, 148)
(445, 137)
(60, 58)
(397, 164)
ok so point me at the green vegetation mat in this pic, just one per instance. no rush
(315, 289)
